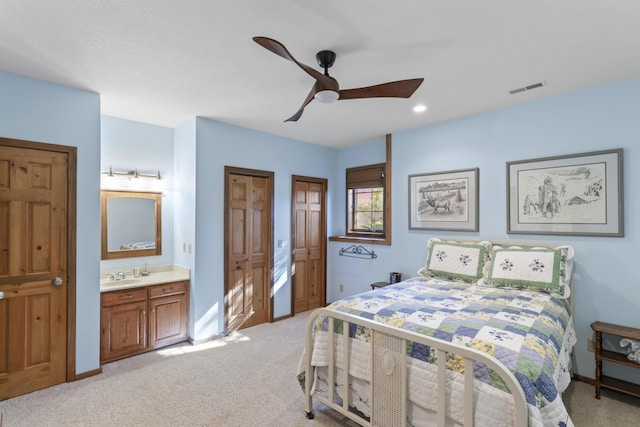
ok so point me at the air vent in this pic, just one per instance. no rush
(530, 87)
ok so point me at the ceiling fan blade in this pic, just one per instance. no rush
(397, 89)
(279, 49)
(309, 98)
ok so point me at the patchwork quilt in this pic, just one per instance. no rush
(530, 332)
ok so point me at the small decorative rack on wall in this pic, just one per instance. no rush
(358, 251)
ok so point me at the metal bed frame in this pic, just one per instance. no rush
(388, 376)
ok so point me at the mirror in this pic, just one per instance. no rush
(131, 224)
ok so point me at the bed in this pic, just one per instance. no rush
(397, 355)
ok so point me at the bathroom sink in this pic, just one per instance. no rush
(120, 282)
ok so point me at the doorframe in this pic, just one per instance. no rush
(233, 170)
(325, 185)
(72, 168)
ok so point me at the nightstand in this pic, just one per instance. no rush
(614, 357)
(379, 285)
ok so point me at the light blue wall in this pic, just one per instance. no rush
(600, 118)
(127, 145)
(604, 117)
(346, 271)
(220, 145)
(185, 207)
(39, 111)
(201, 149)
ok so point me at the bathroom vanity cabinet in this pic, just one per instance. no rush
(139, 319)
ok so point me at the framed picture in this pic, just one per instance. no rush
(444, 200)
(577, 194)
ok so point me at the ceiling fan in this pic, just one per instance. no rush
(326, 88)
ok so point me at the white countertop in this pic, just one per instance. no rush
(157, 275)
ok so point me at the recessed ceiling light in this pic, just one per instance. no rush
(420, 108)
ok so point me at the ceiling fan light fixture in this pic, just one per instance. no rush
(326, 96)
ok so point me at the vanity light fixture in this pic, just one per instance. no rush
(132, 174)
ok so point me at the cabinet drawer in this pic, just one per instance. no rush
(124, 296)
(167, 289)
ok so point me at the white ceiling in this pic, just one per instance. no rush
(167, 61)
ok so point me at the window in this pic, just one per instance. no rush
(366, 207)
(368, 193)
(366, 201)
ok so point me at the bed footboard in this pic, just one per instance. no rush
(388, 376)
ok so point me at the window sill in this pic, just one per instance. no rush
(360, 239)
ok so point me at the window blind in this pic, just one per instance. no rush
(366, 176)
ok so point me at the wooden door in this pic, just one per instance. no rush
(248, 242)
(33, 269)
(308, 250)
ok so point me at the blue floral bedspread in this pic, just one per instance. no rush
(522, 329)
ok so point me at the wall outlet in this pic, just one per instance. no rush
(341, 287)
(591, 346)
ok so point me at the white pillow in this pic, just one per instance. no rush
(543, 269)
(456, 260)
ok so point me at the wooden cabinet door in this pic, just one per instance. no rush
(33, 269)
(123, 329)
(168, 315)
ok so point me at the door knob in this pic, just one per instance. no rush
(57, 281)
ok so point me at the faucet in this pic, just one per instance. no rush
(111, 277)
(121, 275)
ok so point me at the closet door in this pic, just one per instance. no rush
(248, 250)
(309, 250)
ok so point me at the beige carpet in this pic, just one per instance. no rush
(246, 379)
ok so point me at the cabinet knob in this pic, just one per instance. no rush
(143, 311)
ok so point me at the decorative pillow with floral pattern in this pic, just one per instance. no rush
(543, 269)
(456, 260)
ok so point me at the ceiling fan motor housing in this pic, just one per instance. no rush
(326, 58)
